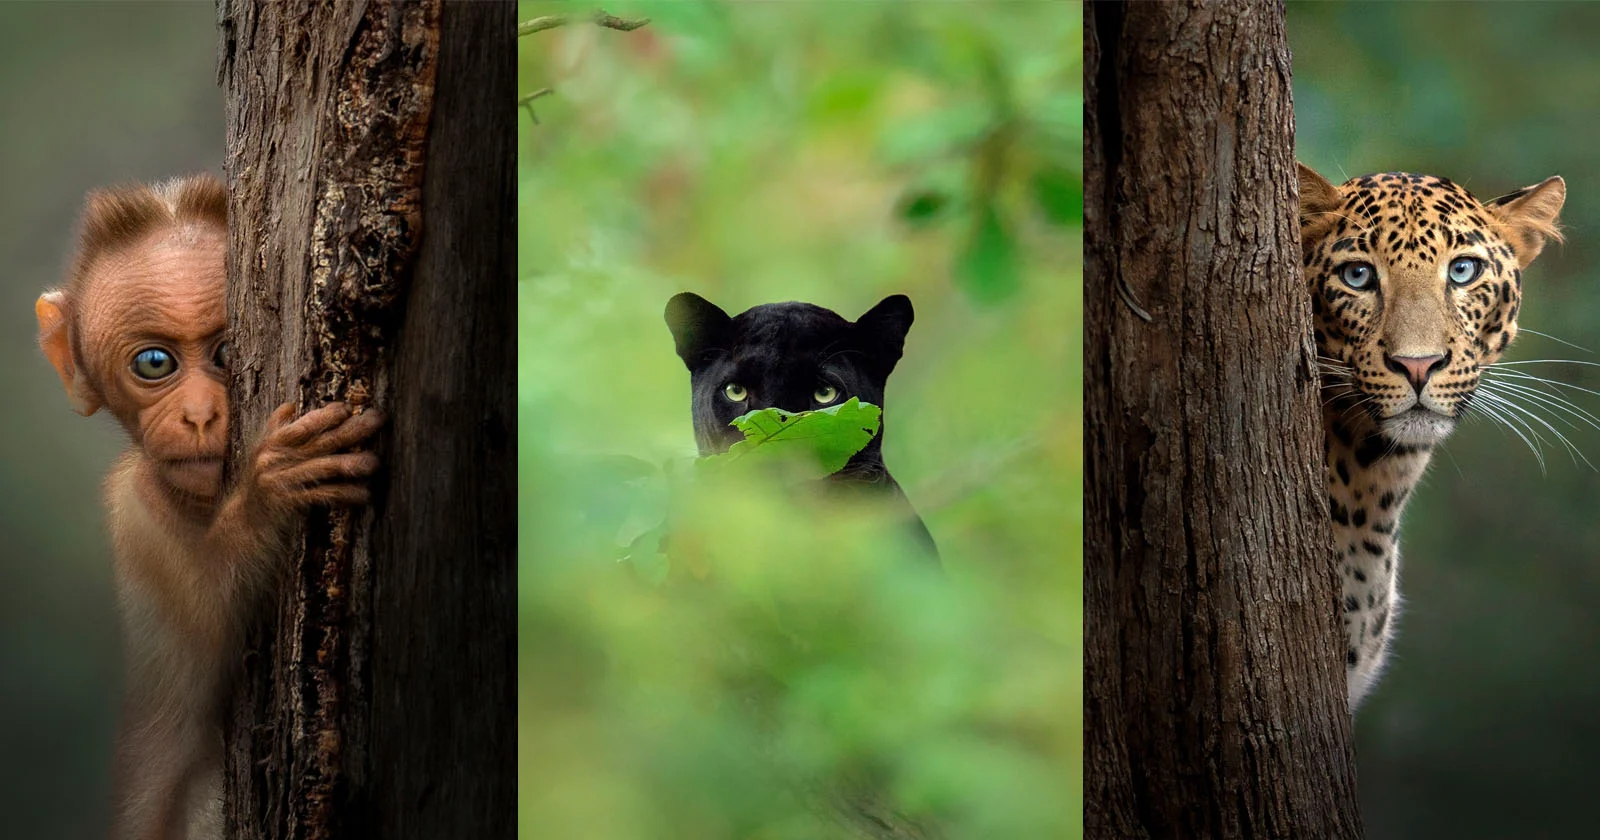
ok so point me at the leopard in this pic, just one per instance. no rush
(1415, 288)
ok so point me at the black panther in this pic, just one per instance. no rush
(797, 357)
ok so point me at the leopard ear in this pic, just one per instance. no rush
(1319, 202)
(1529, 217)
(882, 330)
(697, 325)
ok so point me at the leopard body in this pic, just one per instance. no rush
(1415, 288)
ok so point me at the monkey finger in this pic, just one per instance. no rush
(311, 424)
(335, 495)
(280, 417)
(352, 465)
(355, 430)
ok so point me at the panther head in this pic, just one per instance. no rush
(1415, 287)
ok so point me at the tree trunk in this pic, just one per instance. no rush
(1214, 695)
(370, 152)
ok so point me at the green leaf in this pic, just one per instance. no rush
(817, 443)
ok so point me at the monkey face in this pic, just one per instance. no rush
(149, 337)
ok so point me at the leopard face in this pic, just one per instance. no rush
(1415, 288)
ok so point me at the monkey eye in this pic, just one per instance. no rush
(220, 356)
(153, 363)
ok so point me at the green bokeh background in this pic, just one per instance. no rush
(833, 153)
(90, 93)
(1485, 725)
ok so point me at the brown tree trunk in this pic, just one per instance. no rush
(1214, 699)
(370, 153)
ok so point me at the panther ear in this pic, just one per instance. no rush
(1528, 217)
(882, 330)
(697, 325)
(1319, 201)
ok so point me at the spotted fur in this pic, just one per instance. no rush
(1403, 344)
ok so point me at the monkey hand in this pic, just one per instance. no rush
(299, 463)
(307, 461)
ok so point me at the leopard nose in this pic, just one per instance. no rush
(1416, 369)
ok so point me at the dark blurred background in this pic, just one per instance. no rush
(1485, 725)
(90, 93)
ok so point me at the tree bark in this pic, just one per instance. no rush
(370, 153)
(1214, 695)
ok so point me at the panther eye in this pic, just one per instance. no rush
(153, 364)
(825, 394)
(735, 392)
(1464, 270)
(1358, 275)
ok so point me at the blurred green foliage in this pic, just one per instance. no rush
(1484, 725)
(90, 94)
(832, 153)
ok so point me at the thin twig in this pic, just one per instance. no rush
(535, 95)
(599, 18)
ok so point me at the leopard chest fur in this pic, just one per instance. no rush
(1369, 481)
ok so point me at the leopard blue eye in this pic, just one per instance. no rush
(1358, 275)
(825, 394)
(154, 364)
(1464, 270)
(735, 392)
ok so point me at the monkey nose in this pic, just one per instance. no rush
(200, 416)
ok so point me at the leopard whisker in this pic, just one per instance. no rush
(1517, 374)
(1522, 329)
(1528, 413)
(1552, 400)
(1478, 409)
(1543, 362)
(1355, 405)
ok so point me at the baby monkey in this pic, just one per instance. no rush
(138, 331)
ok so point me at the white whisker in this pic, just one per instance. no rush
(1553, 338)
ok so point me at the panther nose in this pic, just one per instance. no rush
(1416, 369)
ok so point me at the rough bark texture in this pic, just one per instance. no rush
(370, 153)
(1214, 689)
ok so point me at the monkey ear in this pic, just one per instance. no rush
(883, 330)
(698, 327)
(1528, 217)
(55, 338)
